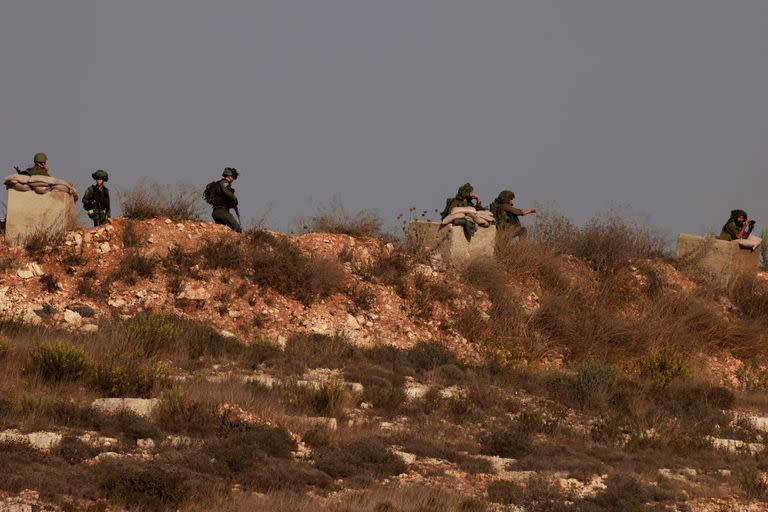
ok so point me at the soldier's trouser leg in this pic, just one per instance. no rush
(99, 218)
(222, 216)
(469, 227)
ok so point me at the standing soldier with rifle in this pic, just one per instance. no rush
(96, 199)
(221, 196)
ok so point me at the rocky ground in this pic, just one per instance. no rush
(155, 365)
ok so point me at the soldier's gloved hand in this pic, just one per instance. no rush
(751, 223)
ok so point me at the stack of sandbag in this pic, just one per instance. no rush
(482, 218)
(39, 184)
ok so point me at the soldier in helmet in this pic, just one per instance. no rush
(507, 216)
(39, 168)
(466, 210)
(222, 198)
(96, 199)
(739, 227)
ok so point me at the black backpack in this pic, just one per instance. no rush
(211, 192)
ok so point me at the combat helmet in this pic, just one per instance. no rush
(230, 171)
(465, 190)
(40, 158)
(735, 214)
(505, 196)
(100, 175)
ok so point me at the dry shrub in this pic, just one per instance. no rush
(149, 200)
(364, 460)
(155, 487)
(507, 330)
(90, 286)
(280, 264)
(49, 283)
(334, 218)
(385, 498)
(750, 295)
(177, 413)
(133, 266)
(52, 476)
(44, 240)
(132, 236)
(607, 241)
(311, 350)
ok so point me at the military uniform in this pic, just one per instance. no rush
(461, 201)
(38, 168)
(96, 200)
(224, 199)
(732, 229)
(506, 215)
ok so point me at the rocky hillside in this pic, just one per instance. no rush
(154, 365)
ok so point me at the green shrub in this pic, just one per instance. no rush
(662, 365)
(152, 332)
(60, 361)
(594, 384)
(128, 374)
(506, 440)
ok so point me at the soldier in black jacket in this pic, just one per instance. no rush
(223, 199)
(96, 199)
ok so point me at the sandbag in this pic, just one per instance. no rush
(39, 184)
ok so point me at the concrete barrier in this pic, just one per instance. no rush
(30, 213)
(717, 257)
(450, 242)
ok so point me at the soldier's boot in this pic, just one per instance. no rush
(468, 225)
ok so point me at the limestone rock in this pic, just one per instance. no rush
(191, 292)
(72, 317)
(143, 407)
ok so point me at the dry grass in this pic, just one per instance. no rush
(149, 200)
(334, 218)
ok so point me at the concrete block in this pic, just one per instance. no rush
(30, 213)
(450, 242)
(717, 257)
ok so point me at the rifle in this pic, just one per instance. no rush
(237, 212)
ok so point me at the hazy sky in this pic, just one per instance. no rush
(658, 104)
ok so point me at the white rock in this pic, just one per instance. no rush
(735, 445)
(227, 334)
(408, 458)
(168, 221)
(30, 317)
(145, 444)
(89, 328)
(103, 247)
(36, 269)
(355, 387)
(191, 292)
(281, 342)
(95, 440)
(40, 441)
(25, 274)
(72, 317)
(265, 380)
(416, 391)
(352, 322)
(143, 407)
(180, 441)
(116, 303)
